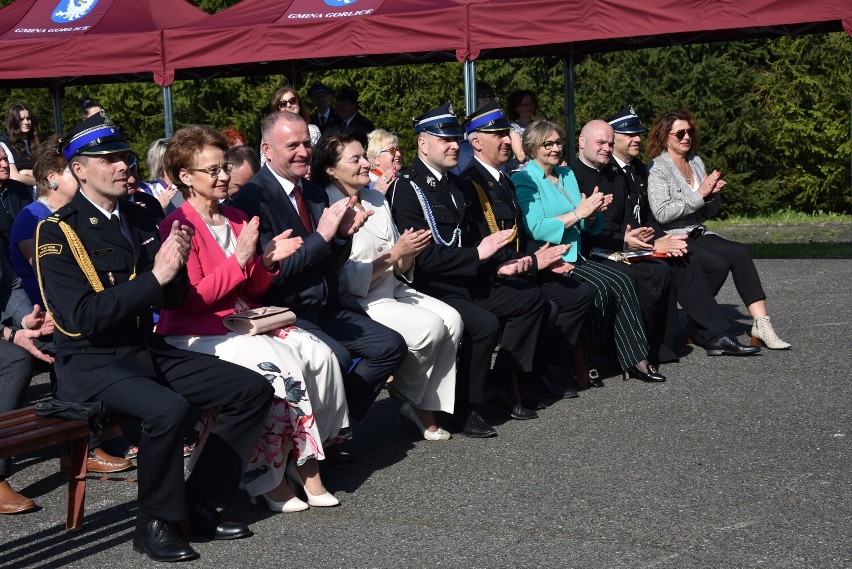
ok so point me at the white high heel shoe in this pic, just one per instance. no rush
(438, 435)
(294, 504)
(326, 500)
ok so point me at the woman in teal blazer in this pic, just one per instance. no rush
(556, 212)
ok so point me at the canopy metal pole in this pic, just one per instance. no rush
(570, 150)
(57, 110)
(469, 86)
(167, 111)
(850, 131)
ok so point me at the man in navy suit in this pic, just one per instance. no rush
(308, 282)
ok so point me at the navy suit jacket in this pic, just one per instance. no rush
(308, 278)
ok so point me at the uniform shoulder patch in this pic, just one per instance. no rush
(50, 249)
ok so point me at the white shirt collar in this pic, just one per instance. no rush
(620, 163)
(495, 173)
(285, 183)
(107, 214)
(435, 172)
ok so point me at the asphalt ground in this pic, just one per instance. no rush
(734, 462)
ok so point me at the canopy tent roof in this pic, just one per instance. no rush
(255, 36)
(56, 42)
(285, 36)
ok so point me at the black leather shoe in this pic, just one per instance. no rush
(652, 375)
(337, 454)
(521, 413)
(476, 427)
(159, 541)
(727, 345)
(554, 389)
(207, 523)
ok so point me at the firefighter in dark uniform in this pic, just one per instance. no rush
(457, 268)
(495, 207)
(103, 270)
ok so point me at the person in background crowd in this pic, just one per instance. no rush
(287, 99)
(521, 107)
(352, 119)
(22, 325)
(89, 107)
(20, 139)
(308, 282)
(56, 186)
(385, 159)
(706, 322)
(495, 207)
(484, 94)
(225, 275)
(14, 197)
(468, 277)
(681, 195)
(246, 164)
(323, 116)
(159, 184)
(378, 273)
(155, 206)
(233, 136)
(102, 268)
(555, 211)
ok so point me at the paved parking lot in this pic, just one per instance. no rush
(731, 463)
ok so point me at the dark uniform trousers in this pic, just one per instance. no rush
(453, 274)
(568, 299)
(17, 366)
(106, 351)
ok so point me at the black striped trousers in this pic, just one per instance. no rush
(615, 314)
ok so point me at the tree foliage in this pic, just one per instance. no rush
(774, 115)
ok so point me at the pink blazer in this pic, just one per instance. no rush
(215, 281)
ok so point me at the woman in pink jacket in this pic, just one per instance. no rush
(225, 274)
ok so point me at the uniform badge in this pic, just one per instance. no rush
(430, 181)
(93, 220)
(111, 278)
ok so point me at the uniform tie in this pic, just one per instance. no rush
(302, 208)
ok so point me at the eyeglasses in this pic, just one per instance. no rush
(392, 150)
(548, 144)
(683, 132)
(214, 171)
(286, 102)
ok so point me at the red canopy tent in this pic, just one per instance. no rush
(56, 42)
(255, 36)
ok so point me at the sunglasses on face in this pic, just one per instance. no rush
(683, 132)
(548, 144)
(391, 150)
(287, 102)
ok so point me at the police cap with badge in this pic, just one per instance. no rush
(440, 121)
(626, 121)
(95, 136)
(487, 118)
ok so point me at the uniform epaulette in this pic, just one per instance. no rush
(62, 213)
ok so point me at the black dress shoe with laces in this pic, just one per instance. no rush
(727, 345)
(158, 540)
(476, 427)
(207, 523)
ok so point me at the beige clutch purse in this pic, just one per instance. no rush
(259, 320)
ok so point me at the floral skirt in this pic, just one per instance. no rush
(309, 408)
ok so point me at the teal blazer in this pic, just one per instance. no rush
(541, 201)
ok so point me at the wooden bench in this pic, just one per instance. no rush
(23, 431)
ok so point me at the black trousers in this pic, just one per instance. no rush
(163, 404)
(705, 317)
(718, 256)
(348, 333)
(653, 283)
(17, 370)
(570, 301)
(513, 304)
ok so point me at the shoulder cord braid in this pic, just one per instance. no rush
(489, 215)
(83, 260)
(430, 219)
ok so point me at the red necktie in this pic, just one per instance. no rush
(302, 208)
